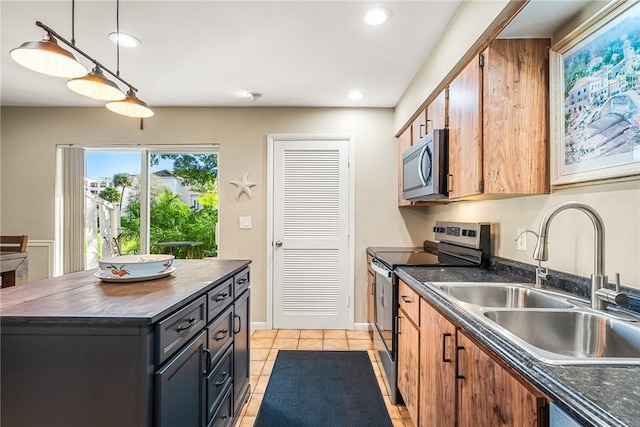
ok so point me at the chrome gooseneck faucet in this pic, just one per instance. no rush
(600, 295)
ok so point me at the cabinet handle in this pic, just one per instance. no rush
(406, 299)
(240, 324)
(224, 332)
(458, 358)
(221, 297)
(444, 346)
(450, 183)
(207, 365)
(422, 125)
(189, 324)
(243, 280)
(225, 375)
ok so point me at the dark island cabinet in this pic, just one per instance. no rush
(241, 355)
(76, 351)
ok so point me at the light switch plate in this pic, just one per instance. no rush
(245, 222)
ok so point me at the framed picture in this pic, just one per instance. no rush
(595, 98)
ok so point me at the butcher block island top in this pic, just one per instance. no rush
(82, 297)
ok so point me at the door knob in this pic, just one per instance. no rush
(279, 243)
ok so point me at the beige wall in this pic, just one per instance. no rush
(29, 137)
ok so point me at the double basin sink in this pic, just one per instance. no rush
(548, 325)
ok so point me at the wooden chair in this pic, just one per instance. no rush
(13, 243)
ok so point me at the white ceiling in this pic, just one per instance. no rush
(210, 53)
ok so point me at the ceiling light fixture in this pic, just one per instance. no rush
(95, 85)
(49, 58)
(377, 16)
(355, 94)
(253, 95)
(124, 39)
(131, 106)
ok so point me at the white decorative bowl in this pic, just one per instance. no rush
(130, 266)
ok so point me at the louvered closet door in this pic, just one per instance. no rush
(311, 221)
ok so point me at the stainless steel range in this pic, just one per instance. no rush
(461, 245)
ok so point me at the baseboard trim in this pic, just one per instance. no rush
(361, 326)
(356, 326)
(258, 325)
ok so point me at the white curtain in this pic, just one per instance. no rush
(71, 194)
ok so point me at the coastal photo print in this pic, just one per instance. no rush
(596, 98)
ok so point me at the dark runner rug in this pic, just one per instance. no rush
(322, 388)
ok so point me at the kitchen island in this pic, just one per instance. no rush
(77, 351)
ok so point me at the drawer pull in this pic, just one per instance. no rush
(243, 280)
(221, 297)
(189, 324)
(225, 375)
(406, 299)
(221, 335)
(444, 347)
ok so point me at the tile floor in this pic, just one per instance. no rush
(265, 344)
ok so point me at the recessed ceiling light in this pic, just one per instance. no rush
(355, 94)
(125, 40)
(377, 16)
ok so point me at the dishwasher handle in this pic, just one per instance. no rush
(380, 270)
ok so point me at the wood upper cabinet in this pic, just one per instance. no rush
(465, 139)
(490, 395)
(409, 347)
(498, 122)
(437, 112)
(437, 369)
(419, 127)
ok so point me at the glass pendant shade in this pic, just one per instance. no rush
(47, 57)
(95, 85)
(131, 106)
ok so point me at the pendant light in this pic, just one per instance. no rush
(95, 85)
(131, 106)
(47, 57)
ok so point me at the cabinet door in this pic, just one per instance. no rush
(241, 350)
(419, 127)
(515, 116)
(437, 369)
(180, 387)
(465, 139)
(489, 395)
(408, 363)
(437, 112)
(404, 142)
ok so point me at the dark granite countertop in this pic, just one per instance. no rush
(593, 395)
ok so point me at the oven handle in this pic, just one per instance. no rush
(382, 271)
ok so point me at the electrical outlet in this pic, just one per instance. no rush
(521, 242)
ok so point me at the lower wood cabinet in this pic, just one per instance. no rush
(408, 362)
(490, 395)
(437, 368)
(447, 379)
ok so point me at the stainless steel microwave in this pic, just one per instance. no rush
(425, 166)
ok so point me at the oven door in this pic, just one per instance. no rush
(384, 312)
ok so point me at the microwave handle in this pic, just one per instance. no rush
(423, 153)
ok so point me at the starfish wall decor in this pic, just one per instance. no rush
(244, 186)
